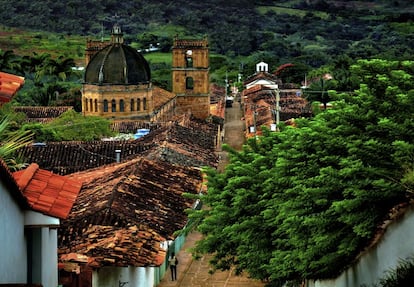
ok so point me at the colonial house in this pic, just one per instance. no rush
(122, 226)
(267, 101)
(32, 203)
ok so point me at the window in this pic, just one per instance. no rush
(90, 105)
(121, 106)
(86, 105)
(138, 104)
(132, 105)
(144, 103)
(113, 106)
(189, 83)
(189, 62)
(105, 106)
(96, 105)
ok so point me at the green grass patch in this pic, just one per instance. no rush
(24, 42)
(290, 11)
(404, 28)
(158, 57)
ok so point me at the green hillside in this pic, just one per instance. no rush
(281, 29)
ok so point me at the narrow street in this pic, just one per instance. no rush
(195, 273)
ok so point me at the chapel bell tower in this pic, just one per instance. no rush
(190, 76)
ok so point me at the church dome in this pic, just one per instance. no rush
(117, 64)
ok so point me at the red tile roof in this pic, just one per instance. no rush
(125, 211)
(9, 85)
(47, 192)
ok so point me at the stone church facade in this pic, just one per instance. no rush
(117, 82)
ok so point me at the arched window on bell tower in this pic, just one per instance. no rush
(113, 106)
(189, 62)
(138, 104)
(144, 103)
(189, 83)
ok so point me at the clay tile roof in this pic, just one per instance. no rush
(125, 211)
(139, 191)
(47, 192)
(8, 180)
(9, 85)
(112, 246)
(42, 114)
(161, 96)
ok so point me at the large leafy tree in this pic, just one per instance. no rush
(301, 203)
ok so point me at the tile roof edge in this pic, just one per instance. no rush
(13, 186)
(26, 176)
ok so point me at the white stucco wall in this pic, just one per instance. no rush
(13, 259)
(130, 276)
(396, 245)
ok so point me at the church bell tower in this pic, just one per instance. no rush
(190, 76)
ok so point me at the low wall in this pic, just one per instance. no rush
(394, 246)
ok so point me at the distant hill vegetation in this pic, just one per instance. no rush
(312, 33)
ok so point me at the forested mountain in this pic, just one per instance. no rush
(310, 32)
(317, 36)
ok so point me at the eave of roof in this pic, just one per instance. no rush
(9, 85)
(47, 192)
(11, 185)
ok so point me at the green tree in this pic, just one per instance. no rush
(319, 91)
(302, 203)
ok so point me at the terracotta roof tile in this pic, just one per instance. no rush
(161, 96)
(47, 192)
(142, 193)
(8, 180)
(9, 85)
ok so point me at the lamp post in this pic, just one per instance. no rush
(277, 109)
(275, 88)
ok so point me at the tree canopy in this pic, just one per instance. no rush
(301, 203)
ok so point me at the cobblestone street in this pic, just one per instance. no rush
(195, 273)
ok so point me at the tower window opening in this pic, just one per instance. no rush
(189, 83)
(189, 62)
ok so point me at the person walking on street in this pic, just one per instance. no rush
(173, 261)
